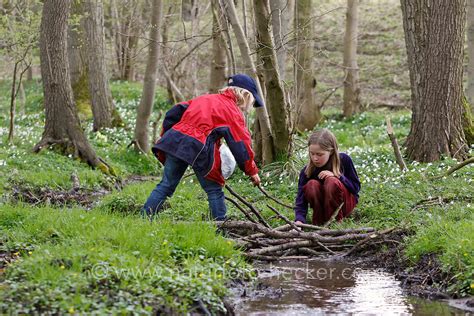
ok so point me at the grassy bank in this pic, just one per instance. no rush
(64, 258)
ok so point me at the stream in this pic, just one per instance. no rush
(330, 287)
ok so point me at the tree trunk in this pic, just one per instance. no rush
(218, 62)
(308, 112)
(103, 109)
(62, 124)
(29, 74)
(470, 45)
(142, 141)
(275, 95)
(78, 65)
(434, 36)
(351, 70)
(468, 121)
(125, 30)
(188, 10)
(281, 12)
(262, 114)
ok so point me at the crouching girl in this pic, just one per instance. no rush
(327, 181)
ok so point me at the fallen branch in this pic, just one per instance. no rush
(367, 239)
(249, 217)
(249, 205)
(333, 216)
(456, 167)
(396, 148)
(272, 198)
(283, 217)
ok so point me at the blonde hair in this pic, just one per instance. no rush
(244, 97)
(327, 141)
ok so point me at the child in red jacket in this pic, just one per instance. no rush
(191, 136)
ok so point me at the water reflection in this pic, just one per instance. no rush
(322, 287)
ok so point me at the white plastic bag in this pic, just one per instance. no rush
(227, 161)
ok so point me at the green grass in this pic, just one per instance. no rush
(70, 259)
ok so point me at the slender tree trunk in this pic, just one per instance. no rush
(29, 74)
(434, 36)
(351, 70)
(188, 10)
(11, 129)
(103, 109)
(218, 62)
(281, 12)
(62, 124)
(125, 25)
(308, 111)
(275, 96)
(262, 114)
(142, 140)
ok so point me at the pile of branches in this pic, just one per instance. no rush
(292, 240)
(77, 195)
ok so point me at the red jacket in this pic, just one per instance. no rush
(192, 131)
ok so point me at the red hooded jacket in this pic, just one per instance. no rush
(192, 132)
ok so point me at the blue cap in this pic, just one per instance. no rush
(247, 83)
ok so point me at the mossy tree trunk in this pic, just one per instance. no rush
(470, 50)
(275, 96)
(142, 140)
(62, 125)
(103, 109)
(434, 36)
(78, 65)
(308, 112)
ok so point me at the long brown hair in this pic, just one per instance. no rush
(327, 141)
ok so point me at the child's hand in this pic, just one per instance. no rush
(255, 179)
(325, 174)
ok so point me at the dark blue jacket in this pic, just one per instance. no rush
(349, 178)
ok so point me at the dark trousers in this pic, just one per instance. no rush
(324, 198)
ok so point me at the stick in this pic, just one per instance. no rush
(249, 205)
(294, 244)
(272, 198)
(456, 167)
(309, 226)
(396, 148)
(333, 216)
(370, 237)
(249, 217)
(283, 217)
(155, 126)
(279, 228)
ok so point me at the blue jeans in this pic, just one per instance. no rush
(173, 172)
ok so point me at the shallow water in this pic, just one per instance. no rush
(328, 287)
